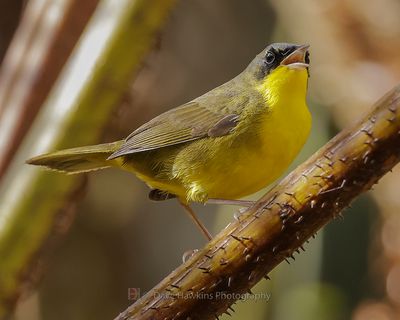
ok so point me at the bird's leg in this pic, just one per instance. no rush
(241, 203)
(196, 220)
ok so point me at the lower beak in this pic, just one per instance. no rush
(297, 58)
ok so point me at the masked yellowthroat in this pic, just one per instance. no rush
(226, 144)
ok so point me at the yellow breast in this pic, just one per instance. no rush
(239, 167)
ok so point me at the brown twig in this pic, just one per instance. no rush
(280, 222)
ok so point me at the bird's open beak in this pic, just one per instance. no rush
(296, 59)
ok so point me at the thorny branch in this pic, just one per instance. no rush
(281, 221)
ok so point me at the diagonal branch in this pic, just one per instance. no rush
(280, 222)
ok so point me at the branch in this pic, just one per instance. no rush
(81, 103)
(280, 222)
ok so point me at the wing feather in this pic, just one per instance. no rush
(189, 122)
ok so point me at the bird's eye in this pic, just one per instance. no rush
(270, 57)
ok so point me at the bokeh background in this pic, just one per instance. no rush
(118, 239)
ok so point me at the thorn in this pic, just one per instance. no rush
(237, 215)
(230, 308)
(260, 212)
(333, 189)
(223, 262)
(230, 279)
(302, 248)
(266, 277)
(369, 134)
(205, 270)
(228, 313)
(372, 119)
(288, 262)
(251, 276)
(313, 236)
(237, 238)
(274, 249)
(175, 286)
(299, 219)
(324, 177)
(247, 257)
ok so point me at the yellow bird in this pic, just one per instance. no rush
(226, 144)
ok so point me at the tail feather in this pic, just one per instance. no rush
(77, 160)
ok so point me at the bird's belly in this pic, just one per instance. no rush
(247, 173)
(244, 172)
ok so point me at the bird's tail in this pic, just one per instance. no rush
(77, 160)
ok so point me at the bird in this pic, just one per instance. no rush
(220, 147)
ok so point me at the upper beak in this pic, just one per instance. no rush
(296, 58)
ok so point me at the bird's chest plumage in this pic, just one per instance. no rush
(261, 149)
(240, 164)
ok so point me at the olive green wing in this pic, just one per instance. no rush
(189, 122)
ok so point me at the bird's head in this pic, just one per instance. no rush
(282, 68)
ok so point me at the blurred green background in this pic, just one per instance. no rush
(121, 240)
